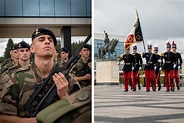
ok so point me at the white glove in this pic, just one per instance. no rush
(155, 67)
(179, 67)
(174, 66)
(160, 69)
(139, 68)
(118, 63)
(159, 60)
(132, 68)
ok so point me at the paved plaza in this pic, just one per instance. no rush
(112, 105)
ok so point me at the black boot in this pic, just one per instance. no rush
(139, 86)
(159, 88)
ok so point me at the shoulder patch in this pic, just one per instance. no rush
(162, 54)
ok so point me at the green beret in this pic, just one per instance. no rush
(43, 31)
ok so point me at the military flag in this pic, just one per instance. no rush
(135, 34)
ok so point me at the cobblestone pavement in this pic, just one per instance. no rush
(112, 105)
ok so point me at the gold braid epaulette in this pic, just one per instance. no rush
(121, 56)
(162, 54)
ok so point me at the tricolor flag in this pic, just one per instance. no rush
(135, 34)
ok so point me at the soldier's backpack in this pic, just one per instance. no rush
(76, 108)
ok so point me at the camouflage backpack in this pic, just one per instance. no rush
(76, 108)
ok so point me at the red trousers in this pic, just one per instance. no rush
(168, 75)
(136, 79)
(127, 78)
(150, 79)
(175, 76)
(157, 79)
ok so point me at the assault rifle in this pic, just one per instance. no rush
(85, 69)
(38, 101)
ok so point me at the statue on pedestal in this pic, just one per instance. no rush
(109, 47)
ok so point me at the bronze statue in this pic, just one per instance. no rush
(109, 47)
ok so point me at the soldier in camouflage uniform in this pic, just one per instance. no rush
(11, 61)
(82, 70)
(18, 89)
(64, 57)
(24, 59)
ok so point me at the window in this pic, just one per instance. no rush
(62, 7)
(13, 8)
(2, 12)
(46, 7)
(78, 8)
(99, 45)
(30, 8)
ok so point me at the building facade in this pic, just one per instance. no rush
(66, 18)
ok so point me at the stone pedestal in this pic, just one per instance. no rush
(107, 72)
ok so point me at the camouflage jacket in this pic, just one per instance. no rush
(81, 69)
(17, 90)
(7, 64)
(7, 74)
(61, 63)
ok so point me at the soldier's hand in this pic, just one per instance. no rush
(89, 64)
(179, 67)
(174, 66)
(160, 69)
(139, 68)
(87, 76)
(118, 63)
(155, 67)
(61, 84)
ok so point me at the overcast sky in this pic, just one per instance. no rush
(160, 19)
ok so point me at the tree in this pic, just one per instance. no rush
(7, 49)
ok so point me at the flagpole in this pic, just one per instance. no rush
(142, 34)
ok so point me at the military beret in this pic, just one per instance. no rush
(14, 47)
(23, 44)
(43, 31)
(64, 50)
(87, 46)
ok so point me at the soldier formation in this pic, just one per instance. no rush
(170, 62)
(20, 77)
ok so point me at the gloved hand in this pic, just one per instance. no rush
(118, 63)
(159, 60)
(139, 68)
(174, 66)
(179, 67)
(160, 69)
(155, 67)
(132, 68)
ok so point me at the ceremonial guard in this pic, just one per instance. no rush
(169, 65)
(158, 67)
(137, 68)
(149, 68)
(128, 67)
(178, 64)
